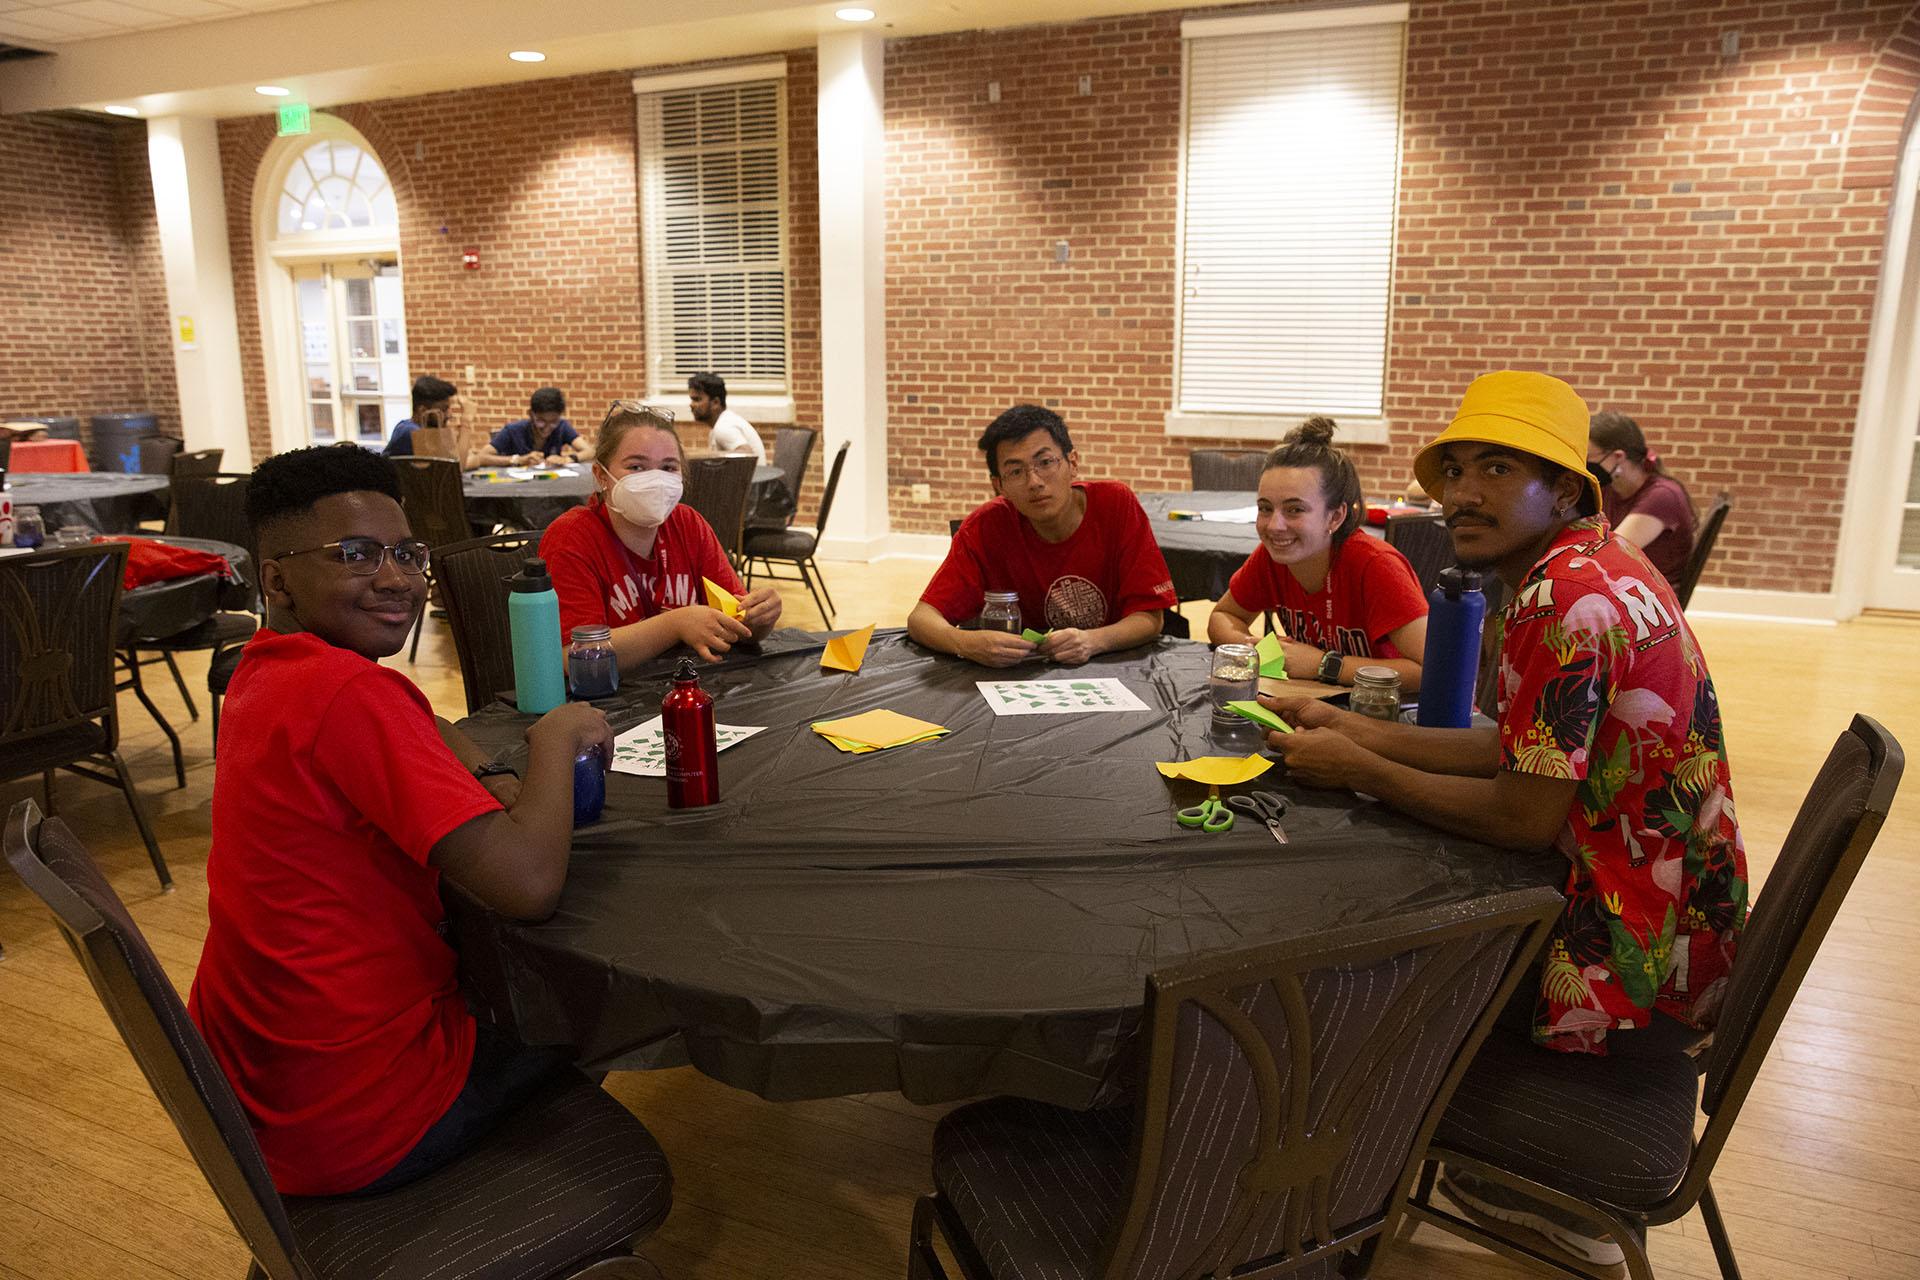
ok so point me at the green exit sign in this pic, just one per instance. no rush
(295, 117)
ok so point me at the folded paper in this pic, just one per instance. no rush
(877, 731)
(718, 597)
(1273, 659)
(847, 652)
(1216, 771)
(1033, 637)
(1260, 716)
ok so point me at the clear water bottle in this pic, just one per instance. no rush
(1000, 611)
(592, 670)
(1376, 693)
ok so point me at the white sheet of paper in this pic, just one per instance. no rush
(528, 473)
(1067, 696)
(642, 751)
(1233, 515)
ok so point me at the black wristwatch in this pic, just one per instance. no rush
(495, 769)
(1329, 672)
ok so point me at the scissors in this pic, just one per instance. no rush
(1211, 817)
(1265, 806)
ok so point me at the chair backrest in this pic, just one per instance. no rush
(436, 442)
(1235, 469)
(58, 612)
(157, 454)
(1292, 1088)
(1703, 540)
(199, 462)
(718, 489)
(150, 1017)
(792, 450)
(473, 578)
(1829, 839)
(833, 486)
(435, 504)
(1424, 540)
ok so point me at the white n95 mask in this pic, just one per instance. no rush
(646, 498)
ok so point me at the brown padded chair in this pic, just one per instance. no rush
(719, 489)
(474, 577)
(564, 1188)
(1289, 1090)
(1237, 470)
(1634, 1159)
(1704, 538)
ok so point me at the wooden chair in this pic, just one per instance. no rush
(564, 1188)
(1633, 1158)
(473, 577)
(1232, 469)
(797, 544)
(719, 489)
(432, 495)
(58, 611)
(1288, 1093)
(1704, 538)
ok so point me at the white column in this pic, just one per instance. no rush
(853, 300)
(184, 155)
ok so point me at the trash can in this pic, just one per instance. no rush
(117, 437)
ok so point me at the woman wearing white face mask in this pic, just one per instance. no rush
(633, 558)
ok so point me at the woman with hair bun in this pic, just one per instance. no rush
(1342, 602)
(1645, 505)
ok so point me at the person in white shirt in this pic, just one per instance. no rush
(730, 433)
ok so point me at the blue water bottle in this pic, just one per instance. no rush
(1455, 611)
(589, 786)
(533, 618)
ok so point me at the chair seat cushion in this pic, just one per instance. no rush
(30, 755)
(220, 670)
(784, 544)
(221, 628)
(1613, 1129)
(570, 1177)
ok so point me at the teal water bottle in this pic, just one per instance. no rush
(533, 617)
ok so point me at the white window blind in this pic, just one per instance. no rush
(1290, 168)
(713, 212)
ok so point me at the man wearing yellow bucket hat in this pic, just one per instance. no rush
(1607, 747)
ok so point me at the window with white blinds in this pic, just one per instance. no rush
(713, 219)
(1290, 167)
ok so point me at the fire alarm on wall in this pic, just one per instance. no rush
(470, 259)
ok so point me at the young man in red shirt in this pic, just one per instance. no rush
(1080, 553)
(326, 988)
(1608, 748)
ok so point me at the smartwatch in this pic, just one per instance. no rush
(495, 769)
(1329, 672)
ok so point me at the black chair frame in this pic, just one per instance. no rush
(800, 555)
(476, 614)
(1704, 538)
(432, 495)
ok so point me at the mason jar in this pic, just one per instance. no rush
(592, 670)
(1376, 693)
(1000, 611)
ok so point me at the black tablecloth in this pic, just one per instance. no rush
(966, 916)
(106, 502)
(1202, 554)
(162, 609)
(535, 504)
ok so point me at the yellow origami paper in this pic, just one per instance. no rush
(718, 597)
(876, 731)
(847, 652)
(1216, 771)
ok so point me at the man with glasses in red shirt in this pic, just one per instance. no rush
(1079, 553)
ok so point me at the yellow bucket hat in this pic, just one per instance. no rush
(1532, 412)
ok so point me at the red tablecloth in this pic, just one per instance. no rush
(47, 456)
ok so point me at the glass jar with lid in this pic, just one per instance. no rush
(592, 669)
(1376, 693)
(1000, 611)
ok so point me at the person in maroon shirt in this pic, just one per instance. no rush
(1645, 505)
(1080, 555)
(327, 990)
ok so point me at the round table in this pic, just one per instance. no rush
(162, 609)
(104, 501)
(494, 498)
(1201, 554)
(971, 915)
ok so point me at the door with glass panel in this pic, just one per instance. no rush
(1897, 585)
(353, 340)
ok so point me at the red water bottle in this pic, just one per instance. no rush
(686, 731)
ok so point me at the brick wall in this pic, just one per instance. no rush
(1587, 188)
(85, 303)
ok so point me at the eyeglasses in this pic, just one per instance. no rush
(642, 407)
(364, 556)
(1043, 467)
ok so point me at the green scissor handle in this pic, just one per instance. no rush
(1211, 816)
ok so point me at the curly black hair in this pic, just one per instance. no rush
(288, 484)
(1015, 425)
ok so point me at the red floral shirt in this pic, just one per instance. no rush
(1602, 681)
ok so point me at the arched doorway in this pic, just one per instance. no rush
(331, 306)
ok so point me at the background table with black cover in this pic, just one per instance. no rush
(1202, 555)
(537, 503)
(972, 915)
(104, 501)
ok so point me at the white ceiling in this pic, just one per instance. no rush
(204, 57)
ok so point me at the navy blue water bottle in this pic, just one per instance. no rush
(589, 786)
(1455, 611)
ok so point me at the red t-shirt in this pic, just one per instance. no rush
(326, 987)
(1107, 570)
(1370, 593)
(599, 580)
(1662, 498)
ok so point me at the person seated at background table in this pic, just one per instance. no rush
(1645, 505)
(435, 402)
(327, 989)
(633, 557)
(1343, 602)
(22, 431)
(1080, 553)
(544, 433)
(730, 433)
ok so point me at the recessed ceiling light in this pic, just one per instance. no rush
(272, 90)
(123, 111)
(527, 55)
(854, 15)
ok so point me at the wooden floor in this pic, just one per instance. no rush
(1822, 1178)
